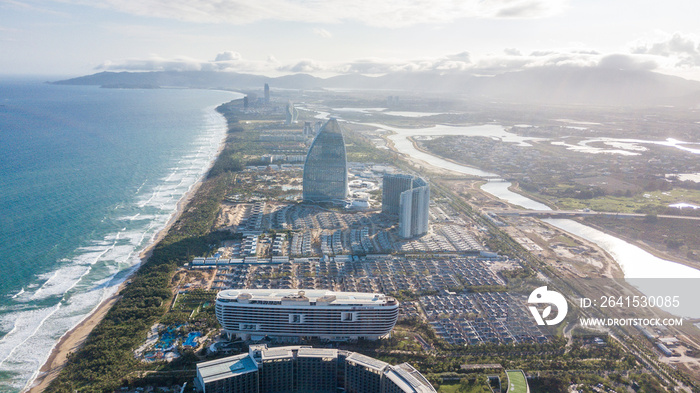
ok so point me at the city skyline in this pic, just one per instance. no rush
(284, 36)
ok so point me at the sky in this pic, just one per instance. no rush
(331, 37)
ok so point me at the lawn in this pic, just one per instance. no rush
(516, 382)
(452, 388)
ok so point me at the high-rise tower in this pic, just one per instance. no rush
(408, 197)
(326, 166)
(392, 187)
(308, 129)
(291, 113)
(267, 93)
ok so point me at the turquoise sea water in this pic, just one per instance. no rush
(88, 176)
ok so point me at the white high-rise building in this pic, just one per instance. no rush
(408, 197)
(291, 114)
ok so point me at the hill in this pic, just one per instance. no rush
(542, 85)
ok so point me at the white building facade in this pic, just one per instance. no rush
(408, 197)
(256, 313)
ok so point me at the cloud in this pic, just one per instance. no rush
(8, 34)
(521, 8)
(154, 63)
(228, 56)
(675, 44)
(227, 61)
(626, 62)
(230, 61)
(462, 56)
(375, 66)
(303, 66)
(540, 53)
(22, 5)
(682, 50)
(323, 33)
(513, 60)
(385, 13)
(510, 60)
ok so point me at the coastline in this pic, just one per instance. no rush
(71, 340)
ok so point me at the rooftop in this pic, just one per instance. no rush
(367, 361)
(330, 298)
(318, 352)
(277, 353)
(414, 378)
(227, 367)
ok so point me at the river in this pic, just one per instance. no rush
(650, 274)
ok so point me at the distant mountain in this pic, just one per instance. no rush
(545, 85)
(590, 85)
(204, 79)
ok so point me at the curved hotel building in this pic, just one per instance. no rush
(314, 313)
(326, 166)
(304, 369)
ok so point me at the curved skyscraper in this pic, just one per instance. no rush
(326, 166)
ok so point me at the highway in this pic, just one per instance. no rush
(577, 213)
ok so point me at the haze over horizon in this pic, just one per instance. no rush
(325, 38)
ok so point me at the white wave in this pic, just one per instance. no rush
(26, 325)
(18, 294)
(83, 281)
(137, 217)
(141, 186)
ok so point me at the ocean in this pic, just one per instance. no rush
(88, 177)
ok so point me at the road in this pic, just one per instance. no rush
(578, 213)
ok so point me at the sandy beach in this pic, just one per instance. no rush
(74, 338)
(70, 342)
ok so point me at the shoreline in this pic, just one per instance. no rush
(71, 340)
(427, 165)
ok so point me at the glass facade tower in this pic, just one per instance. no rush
(326, 166)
